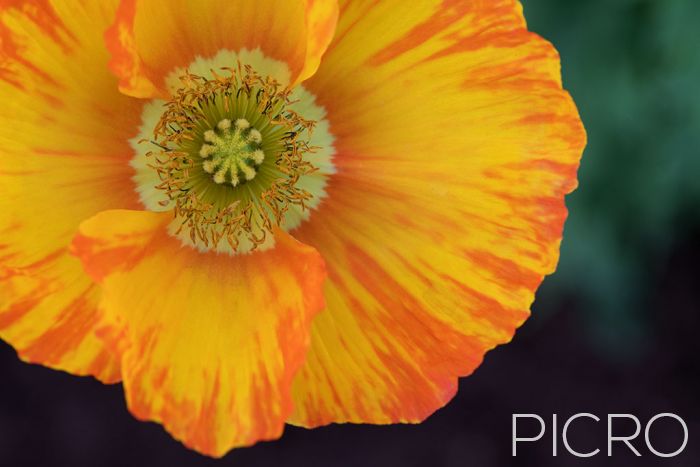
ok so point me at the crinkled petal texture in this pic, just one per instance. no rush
(64, 156)
(208, 343)
(151, 38)
(455, 147)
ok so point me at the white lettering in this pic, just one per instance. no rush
(624, 439)
(648, 429)
(515, 430)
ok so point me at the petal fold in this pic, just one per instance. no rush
(209, 343)
(321, 21)
(150, 39)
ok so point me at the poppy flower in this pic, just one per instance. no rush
(254, 213)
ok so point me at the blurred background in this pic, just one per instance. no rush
(613, 331)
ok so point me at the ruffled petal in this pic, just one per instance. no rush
(209, 343)
(64, 130)
(151, 38)
(321, 21)
(455, 147)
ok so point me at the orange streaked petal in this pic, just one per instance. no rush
(209, 343)
(53, 325)
(151, 39)
(64, 157)
(455, 146)
(321, 21)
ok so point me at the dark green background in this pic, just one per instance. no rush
(633, 67)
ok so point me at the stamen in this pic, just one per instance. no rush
(212, 163)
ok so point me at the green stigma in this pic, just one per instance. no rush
(232, 152)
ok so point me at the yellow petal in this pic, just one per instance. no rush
(321, 20)
(64, 156)
(152, 38)
(455, 147)
(209, 343)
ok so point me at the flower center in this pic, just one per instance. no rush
(232, 152)
(230, 155)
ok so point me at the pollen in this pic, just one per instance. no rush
(242, 124)
(258, 156)
(210, 136)
(230, 156)
(206, 151)
(254, 136)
